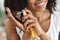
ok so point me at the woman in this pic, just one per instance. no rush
(40, 16)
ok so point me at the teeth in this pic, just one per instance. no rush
(40, 4)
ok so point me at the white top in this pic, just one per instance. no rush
(54, 29)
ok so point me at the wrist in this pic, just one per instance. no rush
(41, 33)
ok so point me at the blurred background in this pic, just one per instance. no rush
(3, 17)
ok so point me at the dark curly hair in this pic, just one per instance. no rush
(18, 5)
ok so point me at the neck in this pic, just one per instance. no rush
(43, 15)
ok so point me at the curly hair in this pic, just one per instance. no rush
(51, 5)
(18, 5)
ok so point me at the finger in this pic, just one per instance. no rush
(12, 19)
(11, 16)
(8, 11)
(16, 23)
(30, 26)
(27, 22)
(28, 11)
(27, 17)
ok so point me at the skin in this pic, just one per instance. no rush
(39, 19)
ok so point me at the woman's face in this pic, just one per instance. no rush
(37, 5)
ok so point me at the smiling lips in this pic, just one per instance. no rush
(40, 4)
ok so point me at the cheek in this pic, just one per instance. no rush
(35, 8)
(30, 2)
(47, 1)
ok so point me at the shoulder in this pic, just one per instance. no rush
(6, 20)
(56, 15)
(7, 23)
(56, 19)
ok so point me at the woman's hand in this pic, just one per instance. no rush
(13, 20)
(31, 21)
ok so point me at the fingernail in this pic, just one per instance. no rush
(7, 9)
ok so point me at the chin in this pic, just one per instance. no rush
(40, 9)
